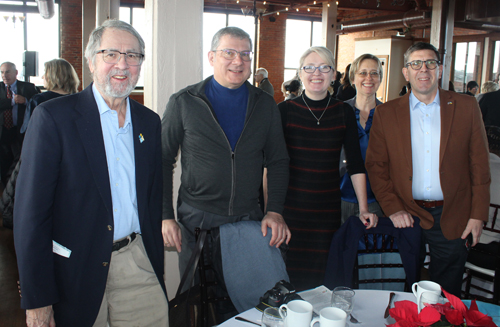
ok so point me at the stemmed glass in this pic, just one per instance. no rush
(271, 318)
(343, 298)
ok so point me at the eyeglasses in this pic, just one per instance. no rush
(114, 56)
(310, 69)
(373, 74)
(430, 64)
(230, 54)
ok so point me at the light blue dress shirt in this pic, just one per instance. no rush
(13, 88)
(119, 145)
(425, 144)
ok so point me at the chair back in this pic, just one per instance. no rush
(491, 224)
(378, 264)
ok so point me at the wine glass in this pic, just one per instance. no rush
(271, 318)
(343, 298)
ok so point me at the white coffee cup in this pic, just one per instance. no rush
(430, 298)
(298, 313)
(425, 286)
(330, 317)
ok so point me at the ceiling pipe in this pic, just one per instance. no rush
(46, 8)
(410, 19)
(475, 25)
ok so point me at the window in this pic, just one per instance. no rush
(466, 64)
(13, 25)
(137, 18)
(496, 63)
(300, 35)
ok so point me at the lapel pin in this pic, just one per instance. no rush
(141, 138)
(450, 102)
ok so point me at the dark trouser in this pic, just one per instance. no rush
(190, 218)
(10, 151)
(448, 257)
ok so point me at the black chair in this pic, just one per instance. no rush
(476, 267)
(343, 266)
(216, 306)
(377, 272)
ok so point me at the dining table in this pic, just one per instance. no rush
(369, 307)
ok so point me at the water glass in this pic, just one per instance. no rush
(271, 318)
(343, 298)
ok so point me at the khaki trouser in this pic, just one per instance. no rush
(133, 295)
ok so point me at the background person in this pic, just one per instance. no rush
(366, 74)
(261, 77)
(293, 89)
(472, 88)
(316, 126)
(487, 87)
(346, 91)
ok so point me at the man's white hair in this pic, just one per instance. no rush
(263, 72)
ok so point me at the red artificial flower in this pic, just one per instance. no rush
(406, 314)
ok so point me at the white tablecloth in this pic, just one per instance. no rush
(369, 309)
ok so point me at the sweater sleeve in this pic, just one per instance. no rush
(171, 139)
(277, 163)
(354, 164)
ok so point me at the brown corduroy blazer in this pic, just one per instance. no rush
(463, 162)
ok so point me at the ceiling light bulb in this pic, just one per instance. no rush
(337, 3)
(278, 13)
(265, 2)
(286, 8)
(308, 9)
(314, 2)
(297, 9)
(237, 1)
(328, 5)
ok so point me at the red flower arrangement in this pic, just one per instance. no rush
(454, 313)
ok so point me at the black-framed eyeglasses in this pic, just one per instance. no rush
(113, 57)
(230, 54)
(310, 69)
(430, 64)
(373, 74)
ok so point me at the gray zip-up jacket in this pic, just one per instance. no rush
(214, 178)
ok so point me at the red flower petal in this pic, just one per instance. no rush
(428, 316)
(455, 301)
(473, 305)
(455, 317)
(404, 310)
(476, 318)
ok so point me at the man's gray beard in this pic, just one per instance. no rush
(108, 90)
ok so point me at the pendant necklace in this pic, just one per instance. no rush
(318, 119)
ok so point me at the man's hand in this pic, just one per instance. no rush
(172, 235)
(19, 99)
(401, 219)
(368, 219)
(40, 317)
(474, 226)
(279, 229)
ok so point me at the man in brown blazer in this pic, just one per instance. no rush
(428, 157)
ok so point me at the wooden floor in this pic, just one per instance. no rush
(11, 314)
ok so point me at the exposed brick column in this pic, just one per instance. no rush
(71, 34)
(271, 51)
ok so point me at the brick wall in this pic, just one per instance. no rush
(71, 34)
(271, 51)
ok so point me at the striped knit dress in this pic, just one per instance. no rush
(312, 206)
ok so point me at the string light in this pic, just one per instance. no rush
(237, 1)
(337, 3)
(314, 2)
(286, 8)
(308, 9)
(278, 13)
(264, 2)
(298, 10)
(329, 6)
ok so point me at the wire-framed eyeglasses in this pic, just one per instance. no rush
(113, 57)
(373, 74)
(230, 54)
(310, 69)
(430, 64)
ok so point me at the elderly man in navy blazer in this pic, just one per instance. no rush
(87, 216)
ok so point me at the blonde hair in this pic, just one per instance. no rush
(357, 62)
(60, 74)
(489, 87)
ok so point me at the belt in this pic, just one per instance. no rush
(126, 241)
(429, 204)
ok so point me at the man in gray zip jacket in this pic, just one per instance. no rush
(228, 131)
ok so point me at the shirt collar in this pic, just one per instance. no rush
(103, 107)
(414, 101)
(13, 86)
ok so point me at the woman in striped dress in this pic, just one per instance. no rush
(316, 126)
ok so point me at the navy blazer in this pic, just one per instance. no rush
(63, 194)
(344, 248)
